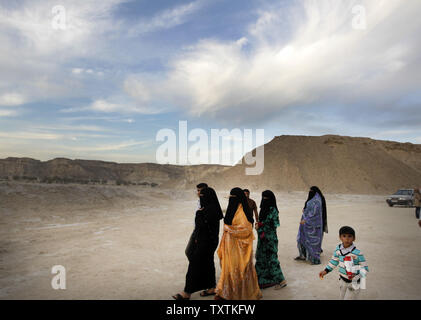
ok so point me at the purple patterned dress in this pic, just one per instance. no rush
(310, 234)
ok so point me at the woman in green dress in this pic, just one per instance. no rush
(268, 269)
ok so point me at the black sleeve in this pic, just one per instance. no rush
(200, 219)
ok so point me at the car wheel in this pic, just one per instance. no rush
(390, 204)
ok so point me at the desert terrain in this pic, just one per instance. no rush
(336, 164)
(127, 242)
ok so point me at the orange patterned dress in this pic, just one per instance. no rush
(238, 279)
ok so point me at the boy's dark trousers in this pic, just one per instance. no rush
(417, 212)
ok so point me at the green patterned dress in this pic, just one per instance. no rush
(268, 269)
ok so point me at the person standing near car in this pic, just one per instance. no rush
(417, 202)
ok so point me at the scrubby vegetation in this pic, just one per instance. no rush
(61, 180)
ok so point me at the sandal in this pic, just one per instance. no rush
(267, 285)
(281, 285)
(206, 293)
(180, 297)
(299, 258)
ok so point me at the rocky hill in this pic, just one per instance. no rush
(336, 164)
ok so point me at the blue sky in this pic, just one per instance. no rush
(122, 70)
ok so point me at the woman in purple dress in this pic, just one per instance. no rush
(313, 224)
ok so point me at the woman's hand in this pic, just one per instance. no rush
(256, 226)
(302, 221)
(322, 274)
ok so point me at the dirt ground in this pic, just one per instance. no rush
(128, 243)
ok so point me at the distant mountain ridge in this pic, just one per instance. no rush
(336, 164)
(96, 171)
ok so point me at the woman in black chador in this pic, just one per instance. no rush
(201, 248)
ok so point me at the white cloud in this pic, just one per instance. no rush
(98, 118)
(308, 54)
(92, 128)
(30, 135)
(77, 70)
(166, 19)
(48, 135)
(124, 107)
(83, 19)
(126, 151)
(137, 89)
(8, 113)
(11, 99)
(119, 105)
(105, 106)
(33, 54)
(110, 147)
(35, 57)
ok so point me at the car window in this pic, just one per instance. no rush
(403, 192)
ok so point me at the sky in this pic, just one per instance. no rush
(99, 79)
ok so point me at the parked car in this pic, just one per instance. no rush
(402, 197)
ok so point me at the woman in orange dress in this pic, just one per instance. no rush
(238, 279)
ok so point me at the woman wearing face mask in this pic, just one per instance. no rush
(238, 279)
(204, 241)
(313, 224)
(268, 268)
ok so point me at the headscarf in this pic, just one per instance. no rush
(311, 194)
(240, 198)
(209, 199)
(266, 204)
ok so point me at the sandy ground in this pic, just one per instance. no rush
(128, 243)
